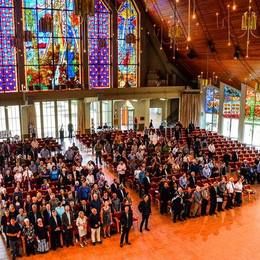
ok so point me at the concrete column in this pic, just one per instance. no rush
(87, 115)
(242, 113)
(221, 104)
(202, 122)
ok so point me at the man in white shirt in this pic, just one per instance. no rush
(121, 168)
(212, 150)
(27, 174)
(206, 172)
(230, 192)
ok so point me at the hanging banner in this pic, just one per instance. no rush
(212, 100)
(231, 105)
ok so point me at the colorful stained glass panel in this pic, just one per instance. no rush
(127, 44)
(53, 50)
(99, 47)
(7, 47)
(212, 100)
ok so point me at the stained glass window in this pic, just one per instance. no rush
(52, 44)
(212, 108)
(99, 46)
(127, 44)
(7, 47)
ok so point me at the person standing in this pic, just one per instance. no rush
(106, 218)
(13, 233)
(187, 199)
(121, 169)
(146, 183)
(67, 221)
(221, 190)
(95, 222)
(151, 124)
(238, 192)
(177, 205)
(70, 130)
(205, 199)
(230, 193)
(29, 237)
(126, 221)
(197, 202)
(61, 134)
(213, 198)
(98, 151)
(55, 227)
(164, 198)
(81, 223)
(145, 208)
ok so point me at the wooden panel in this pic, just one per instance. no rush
(204, 27)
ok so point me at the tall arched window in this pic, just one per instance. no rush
(7, 47)
(52, 44)
(128, 33)
(99, 47)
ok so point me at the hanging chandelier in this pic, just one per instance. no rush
(248, 25)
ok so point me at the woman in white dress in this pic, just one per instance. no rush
(81, 223)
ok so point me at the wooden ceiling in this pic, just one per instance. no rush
(205, 28)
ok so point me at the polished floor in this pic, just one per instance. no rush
(233, 234)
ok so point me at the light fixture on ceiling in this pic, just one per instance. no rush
(237, 53)
(163, 99)
(248, 24)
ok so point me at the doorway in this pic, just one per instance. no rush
(127, 116)
(156, 116)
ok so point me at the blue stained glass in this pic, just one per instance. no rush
(212, 100)
(53, 52)
(7, 47)
(127, 44)
(99, 47)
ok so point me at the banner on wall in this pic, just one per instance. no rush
(212, 100)
(250, 105)
(231, 105)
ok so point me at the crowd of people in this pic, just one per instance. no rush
(49, 200)
(182, 173)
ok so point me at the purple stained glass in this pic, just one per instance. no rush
(7, 48)
(99, 47)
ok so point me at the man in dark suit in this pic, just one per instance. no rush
(226, 158)
(67, 222)
(126, 222)
(213, 198)
(146, 183)
(235, 156)
(114, 186)
(121, 193)
(47, 215)
(145, 208)
(177, 205)
(192, 180)
(34, 215)
(85, 208)
(164, 198)
(55, 225)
